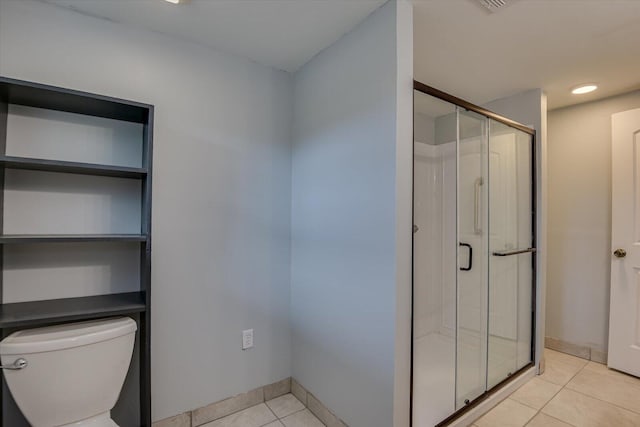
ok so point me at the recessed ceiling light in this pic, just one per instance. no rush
(173, 1)
(582, 89)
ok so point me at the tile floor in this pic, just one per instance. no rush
(283, 411)
(571, 392)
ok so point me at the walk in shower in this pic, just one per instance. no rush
(473, 254)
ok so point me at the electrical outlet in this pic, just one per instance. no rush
(247, 339)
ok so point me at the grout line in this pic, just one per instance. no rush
(269, 407)
(550, 416)
(556, 418)
(277, 419)
(288, 415)
(604, 401)
(550, 399)
(553, 397)
(572, 377)
(522, 403)
(562, 387)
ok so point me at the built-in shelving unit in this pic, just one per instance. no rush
(26, 314)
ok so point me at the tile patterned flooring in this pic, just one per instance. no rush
(283, 411)
(571, 392)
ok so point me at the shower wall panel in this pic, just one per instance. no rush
(434, 275)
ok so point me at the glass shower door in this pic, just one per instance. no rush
(434, 260)
(471, 330)
(511, 255)
(473, 256)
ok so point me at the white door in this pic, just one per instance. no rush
(624, 320)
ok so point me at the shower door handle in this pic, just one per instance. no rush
(470, 263)
(514, 252)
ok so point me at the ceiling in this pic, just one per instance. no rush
(284, 34)
(459, 46)
(555, 45)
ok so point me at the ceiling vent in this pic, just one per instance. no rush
(493, 5)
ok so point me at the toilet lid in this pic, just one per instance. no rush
(65, 336)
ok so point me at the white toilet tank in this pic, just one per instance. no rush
(74, 371)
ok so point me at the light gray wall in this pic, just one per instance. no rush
(222, 182)
(343, 300)
(580, 220)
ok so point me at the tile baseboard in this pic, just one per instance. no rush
(226, 407)
(599, 356)
(299, 392)
(316, 407)
(240, 402)
(182, 420)
(231, 405)
(277, 389)
(581, 351)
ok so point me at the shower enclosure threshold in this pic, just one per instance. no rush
(483, 404)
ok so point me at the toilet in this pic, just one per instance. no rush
(71, 374)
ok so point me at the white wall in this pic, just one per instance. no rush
(404, 212)
(579, 234)
(222, 176)
(530, 108)
(351, 226)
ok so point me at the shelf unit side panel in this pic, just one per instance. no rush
(145, 274)
(4, 109)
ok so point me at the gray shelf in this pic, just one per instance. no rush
(63, 238)
(11, 162)
(55, 98)
(32, 313)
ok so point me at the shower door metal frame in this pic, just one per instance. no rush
(428, 90)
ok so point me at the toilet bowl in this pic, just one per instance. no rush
(73, 373)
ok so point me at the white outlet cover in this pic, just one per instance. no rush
(247, 339)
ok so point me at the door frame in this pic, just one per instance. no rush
(428, 90)
(624, 131)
